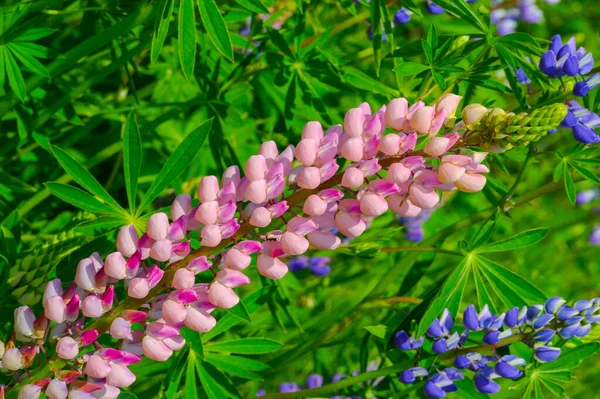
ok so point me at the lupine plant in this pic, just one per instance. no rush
(289, 199)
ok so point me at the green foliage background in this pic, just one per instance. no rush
(72, 71)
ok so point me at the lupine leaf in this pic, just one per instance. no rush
(132, 159)
(410, 68)
(2, 67)
(31, 63)
(560, 168)
(279, 41)
(34, 34)
(586, 173)
(216, 28)
(361, 80)
(240, 311)
(570, 188)
(377, 33)
(245, 346)
(15, 78)
(253, 5)
(187, 37)
(486, 230)
(521, 240)
(215, 384)
(190, 389)
(161, 27)
(84, 178)
(506, 280)
(179, 161)
(450, 293)
(462, 9)
(231, 365)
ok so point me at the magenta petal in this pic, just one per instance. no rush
(230, 228)
(331, 194)
(383, 187)
(133, 264)
(155, 274)
(278, 209)
(135, 316)
(184, 296)
(110, 354)
(249, 246)
(199, 264)
(87, 337)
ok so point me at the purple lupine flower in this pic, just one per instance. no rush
(484, 381)
(545, 354)
(298, 263)
(405, 342)
(402, 16)
(595, 236)
(261, 392)
(530, 12)
(314, 381)
(289, 387)
(442, 383)
(522, 76)
(433, 8)
(583, 87)
(507, 367)
(413, 226)
(318, 265)
(409, 376)
(587, 196)
(582, 122)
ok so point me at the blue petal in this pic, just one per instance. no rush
(470, 318)
(542, 320)
(433, 391)
(314, 381)
(440, 346)
(407, 377)
(545, 354)
(485, 385)
(507, 371)
(553, 304)
(402, 341)
(584, 134)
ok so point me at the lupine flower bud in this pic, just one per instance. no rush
(12, 359)
(67, 348)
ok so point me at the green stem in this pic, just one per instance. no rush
(513, 188)
(344, 383)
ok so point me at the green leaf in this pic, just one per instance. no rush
(586, 173)
(215, 384)
(378, 330)
(428, 51)
(432, 38)
(449, 296)
(254, 6)
(462, 9)
(517, 40)
(190, 390)
(521, 240)
(31, 63)
(377, 33)
(216, 28)
(278, 40)
(187, 37)
(132, 159)
(161, 27)
(34, 34)
(179, 161)
(79, 198)
(486, 230)
(506, 282)
(84, 178)
(247, 346)
(240, 311)
(570, 188)
(2, 67)
(361, 80)
(15, 78)
(232, 365)
(100, 225)
(571, 359)
(410, 68)
(558, 172)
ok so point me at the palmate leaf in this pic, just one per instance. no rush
(84, 178)
(132, 159)
(232, 365)
(215, 26)
(179, 161)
